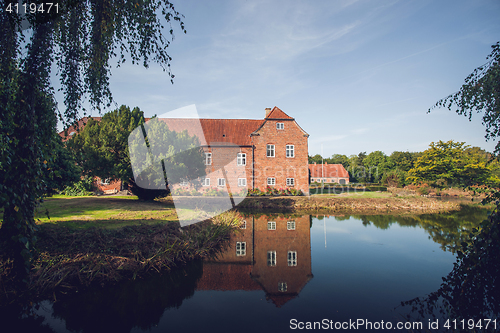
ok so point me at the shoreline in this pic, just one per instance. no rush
(362, 205)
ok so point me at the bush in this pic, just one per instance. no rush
(424, 190)
(82, 187)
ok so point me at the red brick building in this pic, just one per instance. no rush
(247, 153)
(328, 173)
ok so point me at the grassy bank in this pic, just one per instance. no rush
(94, 240)
(359, 203)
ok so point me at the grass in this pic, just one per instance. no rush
(101, 240)
(104, 212)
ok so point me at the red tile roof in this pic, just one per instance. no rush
(66, 135)
(276, 113)
(217, 131)
(328, 170)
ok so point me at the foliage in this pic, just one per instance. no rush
(80, 38)
(62, 170)
(101, 148)
(84, 186)
(472, 288)
(480, 93)
(395, 178)
(449, 161)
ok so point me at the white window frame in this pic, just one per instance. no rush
(243, 225)
(290, 151)
(208, 158)
(282, 287)
(290, 182)
(271, 258)
(271, 225)
(105, 182)
(292, 258)
(221, 181)
(205, 181)
(242, 182)
(290, 225)
(241, 159)
(271, 181)
(241, 249)
(280, 126)
(270, 150)
(184, 182)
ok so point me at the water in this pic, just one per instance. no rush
(277, 273)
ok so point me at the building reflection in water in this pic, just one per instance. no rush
(272, 254)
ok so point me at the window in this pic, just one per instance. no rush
(184, 182)
(290, 152)
(241, 159)
(292, 258)
(271, 258)
(205, 181)
(208, 158)
(280, 126)
(221, 181)
(105, 181)
(243, 224)
(290, 225)
(271, 225)
(282, 287)
(290, 182)
(270, 150)
(242, 182)
(271, 181)
(241, 249)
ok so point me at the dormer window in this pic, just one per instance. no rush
(280, 126)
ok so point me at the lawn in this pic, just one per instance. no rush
(105, 211)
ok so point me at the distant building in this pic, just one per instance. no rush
(328, 173)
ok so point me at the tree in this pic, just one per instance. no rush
(376, 164)
(402, 160)
(102, 146)
(448, 162)
(339, 159)
(103, 150)
(480, 93)
(81, 36)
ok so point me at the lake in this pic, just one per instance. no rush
(278, 273)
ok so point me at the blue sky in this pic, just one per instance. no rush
(356, 75)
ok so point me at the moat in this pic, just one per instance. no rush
(277, 271)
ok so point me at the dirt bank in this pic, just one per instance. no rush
(388, 205)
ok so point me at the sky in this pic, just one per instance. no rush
(358, 76)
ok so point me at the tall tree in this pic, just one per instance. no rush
(81, 36)
(480, 93)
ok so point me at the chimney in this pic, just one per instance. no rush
(314, 163)
(268, 111)
(326, 163)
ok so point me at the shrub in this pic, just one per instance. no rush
(84, 186)
(424, 190)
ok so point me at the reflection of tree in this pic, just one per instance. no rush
(472, 289)
(139, 303)
(447, 229)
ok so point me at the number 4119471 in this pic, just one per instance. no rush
(32, 8)
(470, 324)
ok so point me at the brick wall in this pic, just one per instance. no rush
(281, 167)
